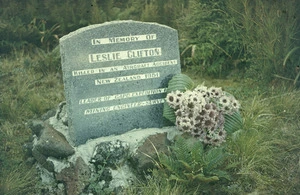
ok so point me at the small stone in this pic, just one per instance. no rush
(143, 160)
(110, 154)
(42, 160)
(75, 177)
(53, 143)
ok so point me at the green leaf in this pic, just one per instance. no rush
(179, 82)
(169, 113)
(167, 162)
(174, 177)
(182, 149)
(233, 122)
(220, 174)
(214, 157)
(185, 165)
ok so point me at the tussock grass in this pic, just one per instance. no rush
(26, 92)
(252, 148)
(266, 150)
(156, 184)
(18, 181)
(287, 108)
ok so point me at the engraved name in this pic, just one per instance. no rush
(127, 78)
(123, 55)
(123, 39)
(123, 106)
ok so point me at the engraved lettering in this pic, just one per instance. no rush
(96, 41)
(123, 106)
(144, 53)
(124, 39)
(123, 96)
(102, 81)
(123, 55)
(104, 57)
(151, 37)
(127, 78)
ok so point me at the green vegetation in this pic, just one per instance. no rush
(262, 156)
(21, 180)
(192, 164)
(250, 48)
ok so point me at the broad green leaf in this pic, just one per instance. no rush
(179, 82)
(233, 122)
(169, 113)
(214, 157)
(185, 165)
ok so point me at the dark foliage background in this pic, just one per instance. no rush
(217, 38)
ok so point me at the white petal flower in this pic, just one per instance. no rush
(235, 104)
(184, 124)
(215, 92)
(224, 101)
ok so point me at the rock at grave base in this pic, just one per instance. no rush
(42, 160)
(147, 152)
(53, 143)
(75, 177)
(110, 154)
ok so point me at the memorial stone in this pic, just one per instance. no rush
(115, 77)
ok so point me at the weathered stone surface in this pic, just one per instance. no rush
(111, 154)
(147, 152)
(105, 162)
(61, 113)
(75, 177)
(42, 160)
(53, 143)
(115, 77)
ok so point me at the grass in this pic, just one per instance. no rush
(26, 93)
(18, 181)
(252, 147)
(156, 184)
(264, 153)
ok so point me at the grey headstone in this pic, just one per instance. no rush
(115, 77)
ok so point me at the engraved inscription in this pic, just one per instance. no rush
(122, 96)
(124, 39)
(123, 106)
(124, 55)
(123, 68)
(127, 78)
